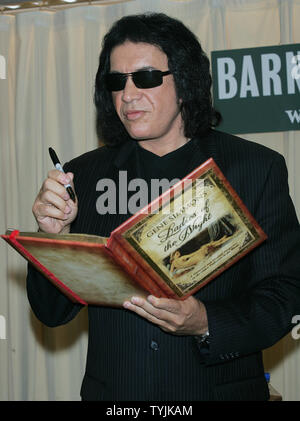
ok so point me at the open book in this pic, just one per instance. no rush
(170, 248)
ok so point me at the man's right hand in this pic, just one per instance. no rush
(53, 209)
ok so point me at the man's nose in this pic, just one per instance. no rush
(130, 91)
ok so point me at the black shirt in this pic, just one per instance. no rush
(172, 165)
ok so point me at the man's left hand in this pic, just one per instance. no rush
(187, 317)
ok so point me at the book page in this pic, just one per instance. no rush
(85, 268)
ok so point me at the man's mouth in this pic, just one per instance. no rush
(133, 114)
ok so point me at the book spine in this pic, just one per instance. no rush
(145, 276)
(128, 263)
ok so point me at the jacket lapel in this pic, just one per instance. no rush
(206, 147)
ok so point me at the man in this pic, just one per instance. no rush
(155, 115)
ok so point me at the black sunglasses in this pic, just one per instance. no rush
(143, 79)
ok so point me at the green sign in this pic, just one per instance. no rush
(257, 89)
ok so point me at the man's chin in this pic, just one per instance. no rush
(142, 138)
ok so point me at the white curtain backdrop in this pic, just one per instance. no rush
(51, 59)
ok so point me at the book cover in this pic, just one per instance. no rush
(171, 248)
(192, 233)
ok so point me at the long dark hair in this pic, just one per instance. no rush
(187, 62)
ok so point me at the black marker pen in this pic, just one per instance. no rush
(58, 166)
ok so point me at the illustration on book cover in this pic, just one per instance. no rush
(195, 234)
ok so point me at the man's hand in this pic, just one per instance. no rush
(187, 317)
(53, 209)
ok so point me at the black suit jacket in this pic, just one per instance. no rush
(250, 306)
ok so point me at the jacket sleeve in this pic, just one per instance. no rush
(49, 305)
(262, 314)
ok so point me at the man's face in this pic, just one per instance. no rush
(147, 114)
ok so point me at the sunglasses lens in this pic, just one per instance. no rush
(147, 79)
(115, 81)
(143, 79)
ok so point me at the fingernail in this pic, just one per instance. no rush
(67, 209)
